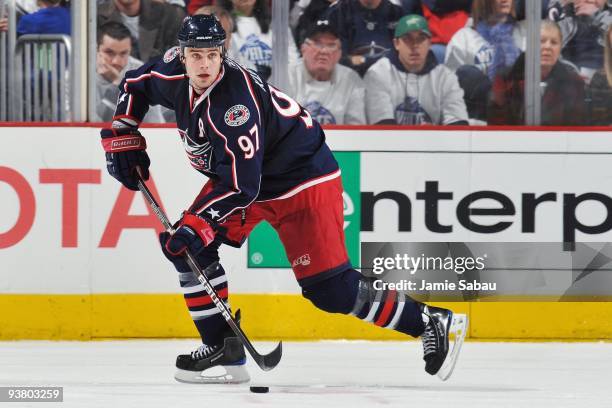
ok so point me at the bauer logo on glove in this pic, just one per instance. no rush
(125, 152)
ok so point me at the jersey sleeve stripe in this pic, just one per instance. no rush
(305, 185)
(130, 105)
(157, 75)
(127, 119)
(211, 202)
(244, 206)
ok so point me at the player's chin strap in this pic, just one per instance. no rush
(266, 361)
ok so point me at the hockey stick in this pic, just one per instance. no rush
(267, 361)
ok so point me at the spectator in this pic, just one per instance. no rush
(562, 88)
(227, 22)
(253, 36)
(583, 24)
(332, 93)
(309, 13)
(153, 25)
(366, 30)
(445, 18)
(113, 60)
(493, 41)
(476, 93)
(600, 88)
(409, 87)
(51, 18)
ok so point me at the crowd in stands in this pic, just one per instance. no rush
(406, 62)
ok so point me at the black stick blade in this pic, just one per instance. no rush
(269, 361)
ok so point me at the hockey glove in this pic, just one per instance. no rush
(193, 233)
(125, 150)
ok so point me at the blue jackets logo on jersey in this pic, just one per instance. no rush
(171, 54)
(199, 154)
(237, 115)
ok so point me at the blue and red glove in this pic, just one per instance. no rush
(193, 233)
(125, 151)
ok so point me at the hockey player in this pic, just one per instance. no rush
(266, 159)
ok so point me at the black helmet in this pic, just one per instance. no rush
(201, 31)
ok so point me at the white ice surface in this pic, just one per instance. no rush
(321, 374)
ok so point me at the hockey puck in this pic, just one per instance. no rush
(259, 390)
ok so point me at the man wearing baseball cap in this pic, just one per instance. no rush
(408, 86)
(323, 86)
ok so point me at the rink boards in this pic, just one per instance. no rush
(79, 257)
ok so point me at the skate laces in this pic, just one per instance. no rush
(429, 341)
(203, 351)
(429, 337)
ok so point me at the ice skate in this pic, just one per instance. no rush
(440, 324)
(218, 364)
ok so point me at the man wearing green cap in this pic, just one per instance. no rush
(409, 87)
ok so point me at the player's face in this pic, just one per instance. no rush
(114, 53)
(202, 66)
(413, 49)
(321, 54)
(550, 47)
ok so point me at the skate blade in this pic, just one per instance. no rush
(458, 327)
(236, 374)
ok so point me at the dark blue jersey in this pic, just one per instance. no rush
(256, 142)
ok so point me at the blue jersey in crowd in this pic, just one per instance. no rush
(256, 142)
(49, 20)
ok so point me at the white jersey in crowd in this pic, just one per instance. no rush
(234, 54)
(430, 97)
(256, 47)
(340, 100)
(468, 47)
